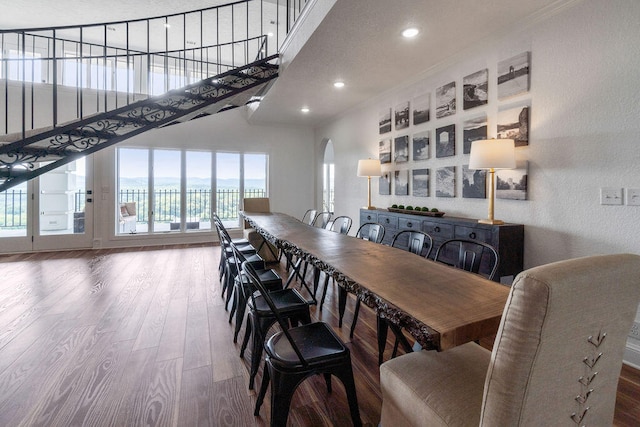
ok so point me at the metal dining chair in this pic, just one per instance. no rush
(294, 354)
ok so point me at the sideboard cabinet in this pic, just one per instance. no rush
(507, 239)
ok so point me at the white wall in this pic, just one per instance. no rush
(585, 127)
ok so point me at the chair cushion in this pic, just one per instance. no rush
(429, 388)
(285, 300)
(317, 343)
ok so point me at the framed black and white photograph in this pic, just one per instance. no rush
(384, 152)
(513, 183)
(474, 129)
(402, 183)
(446, 100)
(384, 122)
(446, 182)
(475, 89)
(401, 149)
(402, 115)
(421, 108)
(421, 146)
(474, 183)
(421, 182)
(384, 184)
(446, 141)
(514, 75)
(513, 123)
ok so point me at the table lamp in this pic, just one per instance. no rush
(369, 168)
(492, 154)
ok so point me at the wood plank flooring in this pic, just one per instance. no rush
(133, 337)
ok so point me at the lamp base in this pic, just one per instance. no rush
(369, 207)
(491, 221)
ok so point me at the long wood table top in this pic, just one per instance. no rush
(439, 305)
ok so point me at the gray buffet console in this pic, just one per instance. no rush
(507, 239)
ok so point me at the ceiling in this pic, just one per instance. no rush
(358, 42)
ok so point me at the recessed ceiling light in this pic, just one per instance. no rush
(410, 33)
(338, 84)
(167, 25)
(305, 110)
(270, 34)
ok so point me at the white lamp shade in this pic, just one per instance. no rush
(493, 154)
(369, 167)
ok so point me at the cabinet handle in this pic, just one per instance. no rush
(472, 235)
(368, 217)
(387, 220)
(437, 229)
(409, 224)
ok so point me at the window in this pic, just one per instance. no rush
(13, 211)
(198, 191)
(166, 190)
(133, 188)
(181, 182)
(31, 66)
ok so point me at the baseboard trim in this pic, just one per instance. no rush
(632, 354)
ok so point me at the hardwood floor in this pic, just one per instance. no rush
(140, 337)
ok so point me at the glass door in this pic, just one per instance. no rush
(16, 219)
(50, 212)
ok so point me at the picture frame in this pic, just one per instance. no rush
(475, 89)
(474, 129)
(401, 149)
(402, 116)
(514, 75)
(446, 181)
(513, 184)
(420, 182)
(421, 109)
(401, 182)
(446, 100)
(384, 121)
(384, 184)
(384, 151)
(513, 123)
(420, 145)
(445, 141)
(474, 183)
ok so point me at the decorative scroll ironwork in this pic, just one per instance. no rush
(65, 144)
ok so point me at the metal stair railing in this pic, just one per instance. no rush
(98, 67)
(27, 158)
(73, 90)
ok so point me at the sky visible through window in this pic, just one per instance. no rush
(134, 162)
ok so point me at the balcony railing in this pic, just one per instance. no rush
(13, 205)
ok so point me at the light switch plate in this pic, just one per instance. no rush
(633, 196)
(610, 196)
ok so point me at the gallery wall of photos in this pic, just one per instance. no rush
(424, 128)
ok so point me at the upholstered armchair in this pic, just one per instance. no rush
(556, 358)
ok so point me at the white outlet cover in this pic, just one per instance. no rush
(610, 196)
(633, 196)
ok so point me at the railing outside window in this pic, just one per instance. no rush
(13, 209)
(198, 204)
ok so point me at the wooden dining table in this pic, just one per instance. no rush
(440, 306)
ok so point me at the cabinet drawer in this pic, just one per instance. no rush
(368, 216)
(473, 233)
(409, 224)
(388, 221)
(438, 231)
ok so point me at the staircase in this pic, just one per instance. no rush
(45, 150)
